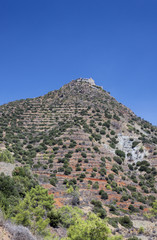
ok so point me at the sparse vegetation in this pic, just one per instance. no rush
(72, 143)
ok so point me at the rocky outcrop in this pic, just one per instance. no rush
(88, 80)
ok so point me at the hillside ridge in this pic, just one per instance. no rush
(83, 145)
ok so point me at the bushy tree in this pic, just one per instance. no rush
(69, 215)
(154, 208)
(6, 156)
(120, 153)
(12, 189)
(125, 222)
(33, 210)
(93, 228)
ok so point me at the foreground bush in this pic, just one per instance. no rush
(19, 232)
(33, 210)
(93, 228)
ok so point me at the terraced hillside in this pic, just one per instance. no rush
(84, 145)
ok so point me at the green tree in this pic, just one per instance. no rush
(154, 208)
(69, 215)
(93, 228)
(33, 210)
(6, 156)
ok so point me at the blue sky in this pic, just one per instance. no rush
(45, 44)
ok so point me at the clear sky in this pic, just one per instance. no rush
(47, 43)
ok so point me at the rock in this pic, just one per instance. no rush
(88, 80)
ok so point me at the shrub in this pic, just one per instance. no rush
(102, 132)
(130, 167)
(111, 176)
(112, 132)
(154, 209)
(124, 198)
(141, 230)
(125, 222)
(95, 169)
(131, 188)
(19, 232)
(118, 160)
(113, 222)
(103, 159)
(83, 154)
(113, 209)
(78, 168)
(108, 187)
(67, 171)
(102, 171)
(97, 137)
(93, 228)
(69, 215)
(53, 181)
(112, 145)
(120, 153)
(103, 194)
(135, 143)
(93, 174)
(60, 169)
(54, 217)
(114, 169)
(95, 185)
(101, 212)
(96, 149)
(75, 200)
(6, 156)
(133, 238)
(116, 117)
(34, 209)
(141, 207)
(132, 208)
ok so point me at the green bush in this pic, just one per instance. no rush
(96, 149)
(53, 181)
(133, 238)
(135, 143)
(95, 185)
(125, 222)
(102, 132)
(34, 209)
(6, 156)
(102, 171)
(113, 222)
(93, 228)
(120, 153)
(101, 212)
(69, 215)
(67, 171)
(54, 217)
(83, 154)
(118, 160)
(103, 194)
(111, 176)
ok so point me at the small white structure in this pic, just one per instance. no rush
(88, 80)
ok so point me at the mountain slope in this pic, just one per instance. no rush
(80, 136)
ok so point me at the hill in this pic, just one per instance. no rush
(83, 145)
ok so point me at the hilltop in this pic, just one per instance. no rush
(84, 145)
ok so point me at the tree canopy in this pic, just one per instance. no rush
(33, 210)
